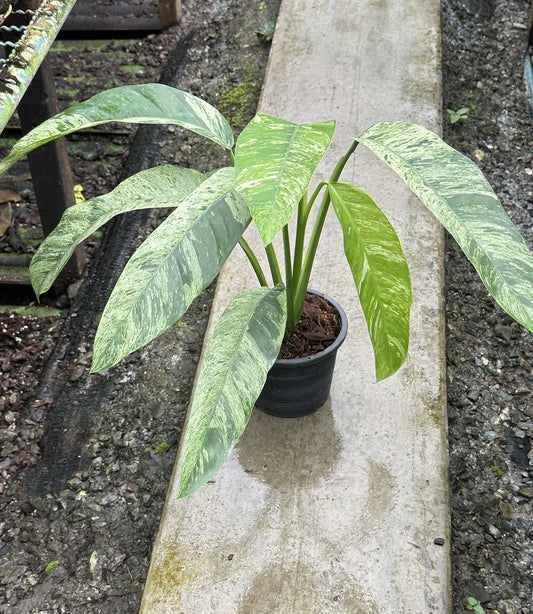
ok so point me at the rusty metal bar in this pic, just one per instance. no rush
(29, 52)
(49, 166)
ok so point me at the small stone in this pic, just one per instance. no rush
(528, 409)
(526, 492)
(439, 541)
(7, 435)
(494, 531)
(7, 449)
(506, 510)
(72, 290)
(76, 373)
(472, 395)
(93, 562)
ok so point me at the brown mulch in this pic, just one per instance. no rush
(317, 329)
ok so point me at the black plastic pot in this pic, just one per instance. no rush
(299, 386)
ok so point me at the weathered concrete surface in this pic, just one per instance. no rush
(338, 511)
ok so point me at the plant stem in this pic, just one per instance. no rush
(303, 281)
(231, 156)
(288, 277)
(273, 263)
(300, 236)
(253, 261)
(311, 202)
(304, 208)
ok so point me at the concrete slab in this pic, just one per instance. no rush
(343, 511)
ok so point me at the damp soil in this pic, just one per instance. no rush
(76, 534)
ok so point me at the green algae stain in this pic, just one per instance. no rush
(165, 578)
(133, 69)
(238, 104)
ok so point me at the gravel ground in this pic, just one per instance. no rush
(86, 460)
(490, 357)
(79, 540)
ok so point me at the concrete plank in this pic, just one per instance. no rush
(338, 511)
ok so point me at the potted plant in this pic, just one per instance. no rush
(272, 164)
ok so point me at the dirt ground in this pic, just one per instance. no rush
(82, 488)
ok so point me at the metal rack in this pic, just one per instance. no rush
(26, 84)
(27, 30)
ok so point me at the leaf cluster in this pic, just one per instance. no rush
(272, 165)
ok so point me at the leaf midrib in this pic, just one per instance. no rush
(405, 163)
(376, 288)
(281, 172)
(228, 370)
(142, 289)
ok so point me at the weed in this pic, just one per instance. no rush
(460, 115)
(51, 566)
(497, 471)
(473, 605)
(161, 448)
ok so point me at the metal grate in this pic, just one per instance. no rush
(27, 44)
(11, 33)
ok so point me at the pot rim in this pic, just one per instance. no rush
(331, 348)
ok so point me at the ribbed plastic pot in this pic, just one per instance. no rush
(299, 386)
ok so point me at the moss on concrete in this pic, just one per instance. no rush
(238, 103)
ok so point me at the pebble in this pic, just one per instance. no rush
(494, 531)
(506, 510)
(7, 435)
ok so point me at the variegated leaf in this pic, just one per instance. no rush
(274, 162)
(453, 188)
(149, 103)
(174, 264)
(380, 273)
(164, 186)
(244, 346)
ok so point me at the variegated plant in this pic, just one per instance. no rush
(273, 163)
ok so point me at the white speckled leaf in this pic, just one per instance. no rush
(149, 103)
(164, 186)
(380, 273)
(244, 346)
(454, 189)
(274, 162)
(173, 265)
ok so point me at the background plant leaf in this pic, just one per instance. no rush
(164, 186)
(380, 273)
(244, 346)
(173, 265)
(274, 162)
(149, 103)
(454, 189)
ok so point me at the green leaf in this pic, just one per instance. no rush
(175, 263)
(453, 188)
(274, 162)
(244, 346)
(165, 186)
(380, 273)
(149, 103)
